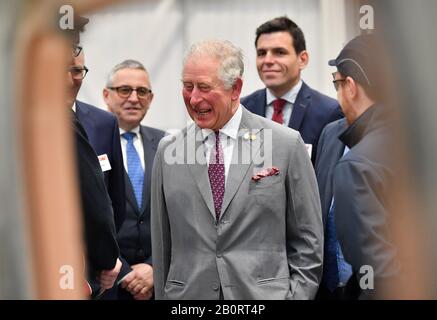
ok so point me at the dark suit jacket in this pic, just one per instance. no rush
(329, 151)
(104, 136)
(100, 236)
(363, 179)
(134, 236)
(312, 111)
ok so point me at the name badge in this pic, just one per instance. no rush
(309, 149)
(104, 162)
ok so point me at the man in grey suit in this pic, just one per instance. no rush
(231, 219)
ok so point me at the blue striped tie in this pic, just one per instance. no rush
(134, 169)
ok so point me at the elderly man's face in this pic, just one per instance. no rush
(73, 85)
(131, 108)
(208, 102)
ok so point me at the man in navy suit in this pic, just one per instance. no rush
(103, 134)
(128, 95)
(281, 56)
(99, 229)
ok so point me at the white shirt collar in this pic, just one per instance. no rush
(230, 128)
(135, 130)
(290, 96)
(73, 107)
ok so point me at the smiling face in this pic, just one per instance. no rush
(131, 110)
(278, 64)
(208, 102)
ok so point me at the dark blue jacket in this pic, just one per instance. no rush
(104, 136)
(312, 111)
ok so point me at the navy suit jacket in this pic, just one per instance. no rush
(100, 237)
(104, 136)
(312, 111)
(134, 237)
(329, 151)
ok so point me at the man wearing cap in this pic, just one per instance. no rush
(281, 57)
(362, 176)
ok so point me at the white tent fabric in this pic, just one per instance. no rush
(158, 32)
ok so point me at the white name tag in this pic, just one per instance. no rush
(104, 162)
(309, 148)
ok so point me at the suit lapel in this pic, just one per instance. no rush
(130, 195)
(238, 169)
(199, 169)
(149, 154)
(303, 101)
(261, 104)
(84, 119)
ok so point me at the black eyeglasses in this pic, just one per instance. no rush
(125, 91)
(76, 50)
(78, 73)
(337, 83)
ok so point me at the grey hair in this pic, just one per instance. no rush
(231, 58)
(126, 64)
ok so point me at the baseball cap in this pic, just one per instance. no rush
(359, 60)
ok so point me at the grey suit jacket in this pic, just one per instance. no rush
(268, 243)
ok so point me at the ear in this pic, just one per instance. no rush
(236, 89)
(303, 58)
(151, 98)
(106, 98)
(351, 87)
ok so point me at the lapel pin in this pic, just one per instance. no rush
(248, 136)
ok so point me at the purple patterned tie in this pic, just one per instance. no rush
(216, 173)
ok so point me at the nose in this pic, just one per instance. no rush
(195, 97)
(133, 98)
(269, 58)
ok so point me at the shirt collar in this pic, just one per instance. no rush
(73, 107)
(290, 96)
(230, 129)
(135, 130)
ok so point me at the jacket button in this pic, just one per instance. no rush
(141, 221)
(215, 287)
(219, 255)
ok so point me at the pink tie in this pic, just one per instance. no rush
(216, 173)
(278, 106)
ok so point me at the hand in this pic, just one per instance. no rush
(139, 282)
(108, 277)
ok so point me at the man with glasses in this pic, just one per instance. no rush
(102, 130)
(128, 95)
(97, 130)
(102, 251)
(354, 172)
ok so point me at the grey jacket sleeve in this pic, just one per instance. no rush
(160, 229)
(304, 225)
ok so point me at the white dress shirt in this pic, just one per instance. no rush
(228, 136)
(290, 97)
(138, 144)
